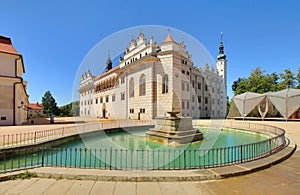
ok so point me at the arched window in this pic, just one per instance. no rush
(131, 87)
(142, 85)
(165, 86)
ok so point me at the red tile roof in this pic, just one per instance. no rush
(108, 72)
(35, 106)
(169, 38)
(6, 45)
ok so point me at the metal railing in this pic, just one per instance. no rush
(27, 138)
(118, 159)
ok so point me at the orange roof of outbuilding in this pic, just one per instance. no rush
(35, 106)
(6, 46)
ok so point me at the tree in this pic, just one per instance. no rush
(49, 104)
(257, 82)
(75, 108)
(240, 86)
(274, 80)
(71, 109)
(64, 111)
(298, 78)
(228, 104)
(288, 79)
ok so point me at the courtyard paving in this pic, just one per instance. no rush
(283, 178)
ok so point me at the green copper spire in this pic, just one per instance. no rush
(221, 48)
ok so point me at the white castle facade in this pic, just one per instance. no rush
(153, 79)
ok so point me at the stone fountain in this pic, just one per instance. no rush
(174, 130)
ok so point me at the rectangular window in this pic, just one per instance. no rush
(182, 86)
(187, 87)
(122, 79)
(107, 99)
(206, 100)
(96, 100)
(183, 71)
(213, 90)
(101, 100)
(199, 86)
(3, 118)
(142, 110)
(122, 96)
(193, 84)
(193, 98)
(199, 99)
(187, 105)
(131, 110)
(213, 101)
(188, 73)
(182, 105)
(206, 88)
(113, 98)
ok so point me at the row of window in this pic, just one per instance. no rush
(142, 86)
(142, 110)
(187, 88)
(185, 72)
(101, 99)
(134, 59)
(113, 99)
(88, 102)
(185, 104)
(183, 61)
(199, 100)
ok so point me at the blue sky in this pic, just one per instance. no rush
(55, 36)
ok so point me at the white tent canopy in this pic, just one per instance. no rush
(286, 101)
(246, 102)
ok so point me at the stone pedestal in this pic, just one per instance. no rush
(174, 130)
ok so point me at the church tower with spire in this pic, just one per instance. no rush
(222, 62)
(222, 71)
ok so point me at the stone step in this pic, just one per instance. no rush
(172, 136)
(172, 133)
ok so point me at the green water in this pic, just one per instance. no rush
(131, 150)
(136, 140)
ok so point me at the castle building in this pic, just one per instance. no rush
(151, 80)
(13, 95)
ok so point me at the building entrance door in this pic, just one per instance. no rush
(103, 113)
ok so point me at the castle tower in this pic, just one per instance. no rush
(222, 62)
